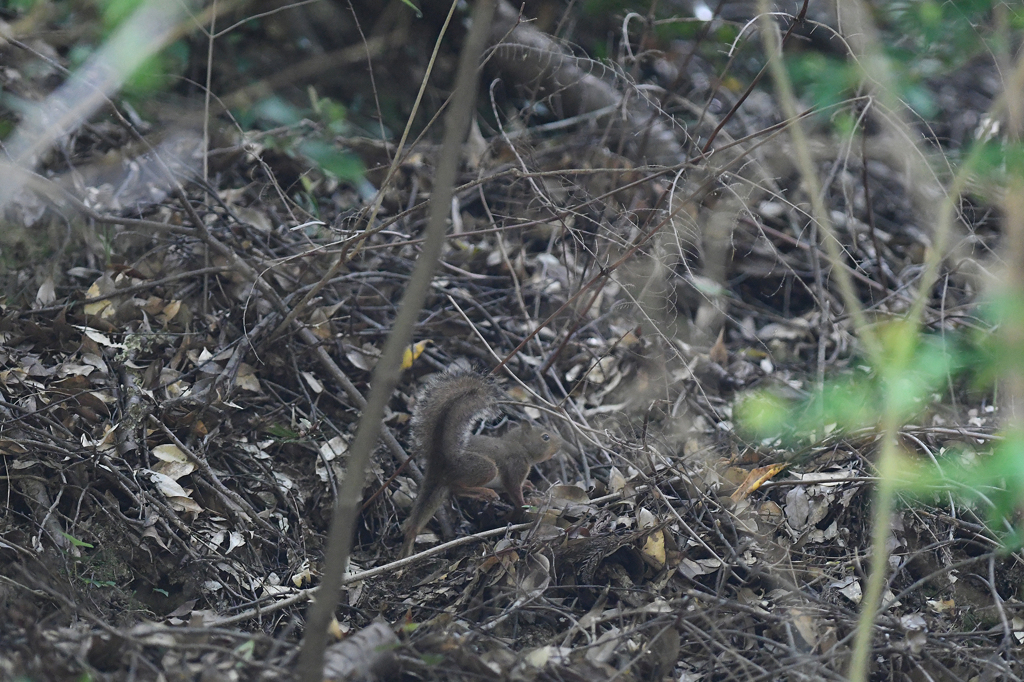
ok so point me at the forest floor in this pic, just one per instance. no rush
(186, 342)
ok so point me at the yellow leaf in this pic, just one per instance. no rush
(171, 309)
(654, 549)
(755, 479)
(413, 352)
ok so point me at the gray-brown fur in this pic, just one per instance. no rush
(460, 463)
(446, 408)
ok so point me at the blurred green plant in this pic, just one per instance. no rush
(926, 39)
(912, 369)
(327, 119)
(826, 81)
(615, 7)
(154, 74)
(992, 483)
(113, 12)
(75, 541)
(19, 5)
(419, 14)
(991, 162)
(912, 376)
(159, 72)
(936, 36)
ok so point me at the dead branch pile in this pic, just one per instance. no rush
(173, 430)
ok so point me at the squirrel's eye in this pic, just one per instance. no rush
(545, 437)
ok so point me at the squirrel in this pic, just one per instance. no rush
(457, 462)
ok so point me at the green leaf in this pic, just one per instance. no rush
(328, 158)
(246, 649)
(419, 14)
(283, 432)
(76, 542)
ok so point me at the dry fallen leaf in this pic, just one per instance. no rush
(653, 550)
(314, 383)
(173, 462)
(755, 479)
(246, 378)
(719, 354)
(47, 293)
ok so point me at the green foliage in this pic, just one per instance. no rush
(419, 14)
(273, 110)
(994, 484)
(939, 35)
(992, 161)
(329, 159)
(154, 74)
(76, 542)
(824, 80)
(933, 38)
(925, 39)
(725, 34)
(995, 481)
(328, 119)
(19, 5)
(677, 30)
(246, 651)
(991, 356)
(913, 371)
(828, 81)
(113, 12)
(332, 113)
(282, 433)
(913, 368)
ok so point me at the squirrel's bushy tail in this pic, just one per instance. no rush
(445, 409)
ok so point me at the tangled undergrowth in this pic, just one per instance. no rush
(175, 414)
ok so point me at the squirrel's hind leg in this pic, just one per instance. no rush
(478, 493)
